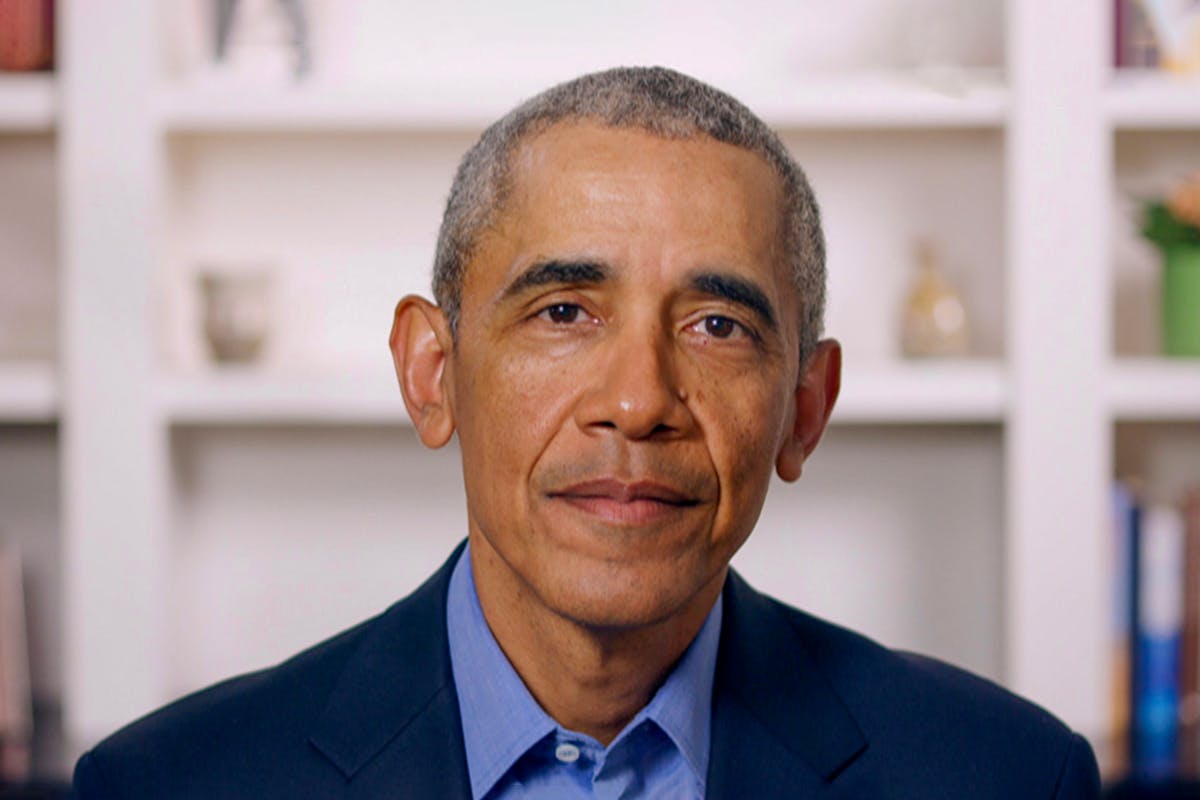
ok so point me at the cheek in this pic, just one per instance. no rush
(518, 405)
(743, 419)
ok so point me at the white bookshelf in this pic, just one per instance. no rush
(30, 390)
(1155, 389)
(28, 393)
(933, 393)
(314, 109)
(866, 101)
(28, 103)
(248, 397)
(1152, 101)
(896, 100)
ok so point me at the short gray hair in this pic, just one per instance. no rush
(655, 99)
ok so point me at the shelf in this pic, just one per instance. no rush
(882, 100)
(248, 396)
(28, 393)
(859, 101)
(315, 109)
(27, 102)
(1155, 389)
(1152, 100)
(936, 392)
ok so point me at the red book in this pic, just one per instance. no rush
(26, 34)
(1189, 680)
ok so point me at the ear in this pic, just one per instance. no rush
(816, 392)
(421, 344)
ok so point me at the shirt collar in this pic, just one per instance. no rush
(682, 706)
(502, 721)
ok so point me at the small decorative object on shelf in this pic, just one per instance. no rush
(935, 320)
(253, 37)
(236, 311)
(1173, 225)
(26, 35)
(1176, 28)
(1134, 44)
(932, 31)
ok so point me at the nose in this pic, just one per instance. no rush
(637, 388)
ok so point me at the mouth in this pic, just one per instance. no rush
(618, 502)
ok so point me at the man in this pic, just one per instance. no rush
(630, 281)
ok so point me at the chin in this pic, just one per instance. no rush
(621, 597)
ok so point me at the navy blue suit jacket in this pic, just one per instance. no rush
(801, 709)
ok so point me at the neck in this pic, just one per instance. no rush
(590, 679)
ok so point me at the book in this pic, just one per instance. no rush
(1157, 643)
(16, 700)
(1189, 679)
(1124, 561)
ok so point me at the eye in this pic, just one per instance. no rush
(717, 326)
(720, 327)
(561, 313)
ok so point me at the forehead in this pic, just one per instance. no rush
(626, 195)
(583, 161)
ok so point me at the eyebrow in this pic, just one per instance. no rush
(733, 288)
(547, 272)
(738, 290)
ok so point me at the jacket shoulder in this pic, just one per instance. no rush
(305, 727)
(234, 729)
(923, 717)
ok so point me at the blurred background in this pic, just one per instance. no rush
(208, 210)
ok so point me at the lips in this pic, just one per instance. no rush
(634, 503)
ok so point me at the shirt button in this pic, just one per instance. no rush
(567, 753)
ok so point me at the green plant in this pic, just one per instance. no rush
(1175, 220)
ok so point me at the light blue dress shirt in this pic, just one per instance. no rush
(515, 749)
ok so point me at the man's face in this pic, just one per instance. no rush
(625, 370)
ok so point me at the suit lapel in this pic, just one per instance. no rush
(778, 728)
(392, 723)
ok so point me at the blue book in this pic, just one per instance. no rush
(1158, 640)
(1124, 623)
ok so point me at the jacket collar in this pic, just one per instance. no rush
(393, 712)
(778, 726)
(777, 720)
